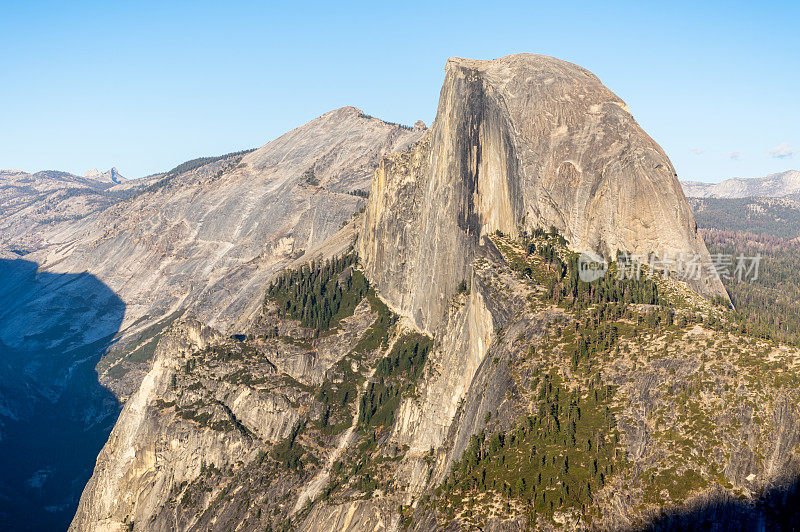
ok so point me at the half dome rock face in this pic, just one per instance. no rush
(521, 142)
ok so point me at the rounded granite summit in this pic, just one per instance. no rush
(521, 142)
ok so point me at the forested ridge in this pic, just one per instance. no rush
(767, 305)
(764, 216)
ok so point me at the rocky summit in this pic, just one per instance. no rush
(369, 326)
(207, 237)
(521, 142)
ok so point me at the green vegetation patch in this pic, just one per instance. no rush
(678, 485)
(545, 260)
(337, 398)
(396, 375)
(554, 460)
(290, 453)
(320, 294)
(377, 335)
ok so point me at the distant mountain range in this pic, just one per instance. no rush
(772, 186)
(34, 208)
(112, 176)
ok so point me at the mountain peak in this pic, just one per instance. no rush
(543, 67)
(521, 143)
(111, 176)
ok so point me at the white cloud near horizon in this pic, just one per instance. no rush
(781, 151)
(735, 155)
(697, 151)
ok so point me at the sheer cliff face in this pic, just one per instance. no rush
(190, 412)
(520, 142)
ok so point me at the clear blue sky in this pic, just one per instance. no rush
(144, 86)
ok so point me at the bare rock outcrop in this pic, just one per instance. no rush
(210, 238)
(520, 142)
(169, 434)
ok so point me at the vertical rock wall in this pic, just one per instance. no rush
(520, 142)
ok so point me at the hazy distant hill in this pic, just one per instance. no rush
(765, 216)
(37, 209)
(773, 186)
(769, 227)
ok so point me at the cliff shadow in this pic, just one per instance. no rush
(55, 416)
(777, 509)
